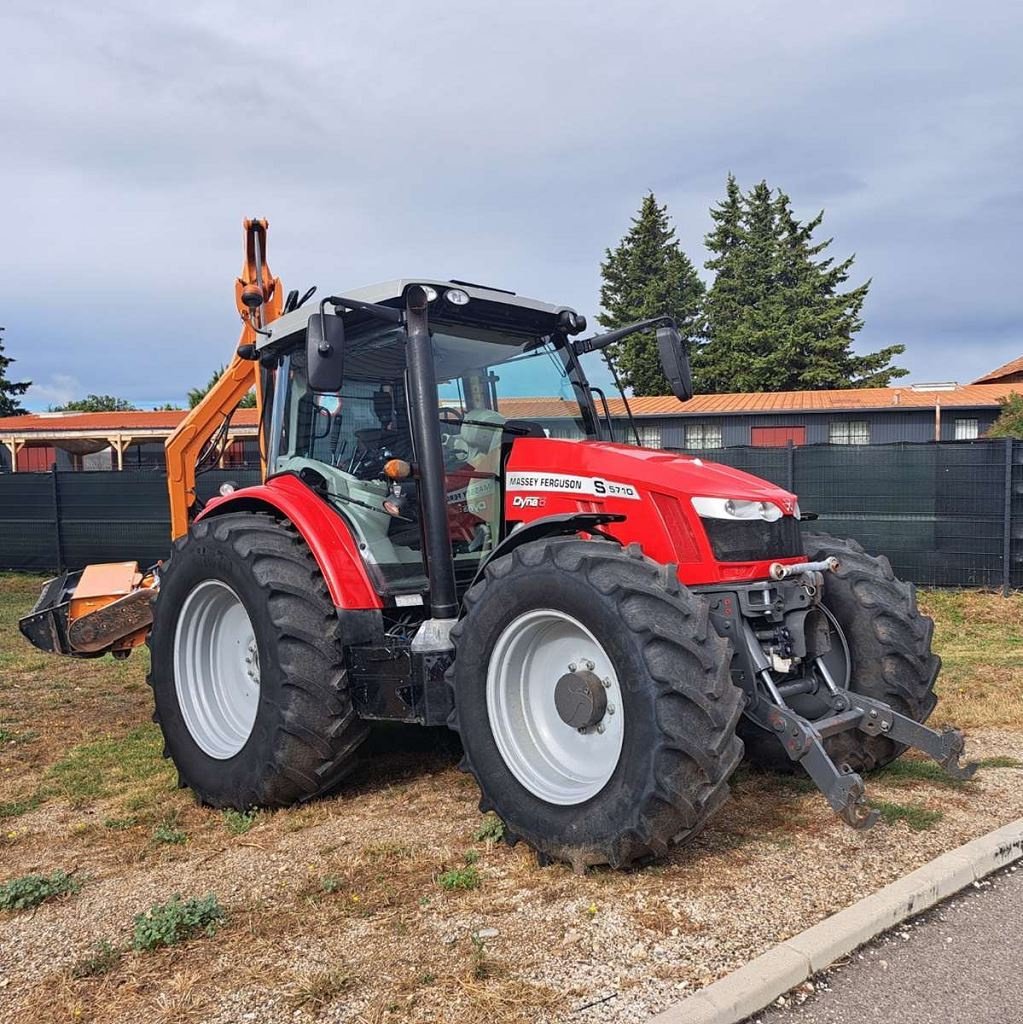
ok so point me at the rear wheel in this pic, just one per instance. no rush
(248, 669)
(594, 701)
(886, 655)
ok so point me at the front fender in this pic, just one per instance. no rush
(562, 525)
(323, 530)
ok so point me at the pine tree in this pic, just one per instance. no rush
(775, 317)
(10, 391)
(648, 274)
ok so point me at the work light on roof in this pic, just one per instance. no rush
(457, 297)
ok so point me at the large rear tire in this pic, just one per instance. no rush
(889, 643)
(248, 670)
(564, 618)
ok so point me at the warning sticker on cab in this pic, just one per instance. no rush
(567, 483)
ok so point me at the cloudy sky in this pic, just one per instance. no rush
(505, 143)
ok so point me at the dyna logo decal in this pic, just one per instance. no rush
(567, 483)
(522, 501)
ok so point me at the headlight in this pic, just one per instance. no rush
(736, 508)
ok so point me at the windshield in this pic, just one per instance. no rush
(484, 380)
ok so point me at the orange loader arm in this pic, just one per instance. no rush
(107, 608)
(259, 297)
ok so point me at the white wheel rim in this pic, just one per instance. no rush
(553, 760)
(216, 669)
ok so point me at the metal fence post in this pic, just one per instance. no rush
(1007, 522)
(57, 532)
(790, 466)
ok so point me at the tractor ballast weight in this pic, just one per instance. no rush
(605, 626)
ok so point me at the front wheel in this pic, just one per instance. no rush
(248, 670)
(594, 701)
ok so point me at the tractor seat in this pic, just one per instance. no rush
(481, 433)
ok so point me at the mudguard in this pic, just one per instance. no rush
(323, 530)
(564, 525)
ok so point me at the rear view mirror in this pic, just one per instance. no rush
(675, 362)
(325, 347)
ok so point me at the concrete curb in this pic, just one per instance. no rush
(758, 983)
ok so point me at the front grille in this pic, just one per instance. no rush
(753, 540)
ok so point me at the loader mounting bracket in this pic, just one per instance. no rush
(843, 788)
(945, 747)
(803, 742)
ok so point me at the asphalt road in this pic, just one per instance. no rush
(960, 963)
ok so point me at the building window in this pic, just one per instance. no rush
(967, 430)
(649, 434)
(849, 432)
(704, 435)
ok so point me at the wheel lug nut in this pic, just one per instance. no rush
(572, 666)
(582, 730)
(610, 709)
(589, 665)
(607, 683)
(600, 727)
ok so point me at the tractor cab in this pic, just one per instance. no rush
(353, 438)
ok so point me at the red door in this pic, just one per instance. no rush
(36, 459)
(777, 437)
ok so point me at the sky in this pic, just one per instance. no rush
(506, 143)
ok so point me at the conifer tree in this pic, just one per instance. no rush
(776, 318)
(646, 275)
(10, 391)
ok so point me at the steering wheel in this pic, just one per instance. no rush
(451, 417)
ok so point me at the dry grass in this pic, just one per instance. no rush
(980, 637)
(336, 910)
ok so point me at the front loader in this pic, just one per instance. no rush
(605, 626)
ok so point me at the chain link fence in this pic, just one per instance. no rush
(946, 514)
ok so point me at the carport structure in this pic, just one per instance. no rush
(37, 442)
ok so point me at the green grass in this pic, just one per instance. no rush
(490, 829)
(1000, 761)
(113, 765)
(459, 879)
(918, 818)
(16, 808)
(119, 824)
(169, 834)
(103, 959)
(166, 924)
(31, 890)
(907, 770)
(239, 822)
(11, 736)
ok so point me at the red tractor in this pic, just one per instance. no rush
(604, 626)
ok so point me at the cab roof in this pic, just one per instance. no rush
(391, 293)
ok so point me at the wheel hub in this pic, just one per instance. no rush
(580, 699)
(555, 706)
(216, 669)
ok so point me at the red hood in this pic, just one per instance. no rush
(680, 475)
(651, 489)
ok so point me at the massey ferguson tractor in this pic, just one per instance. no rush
(606, 627)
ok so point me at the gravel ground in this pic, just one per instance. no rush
(335, 912)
